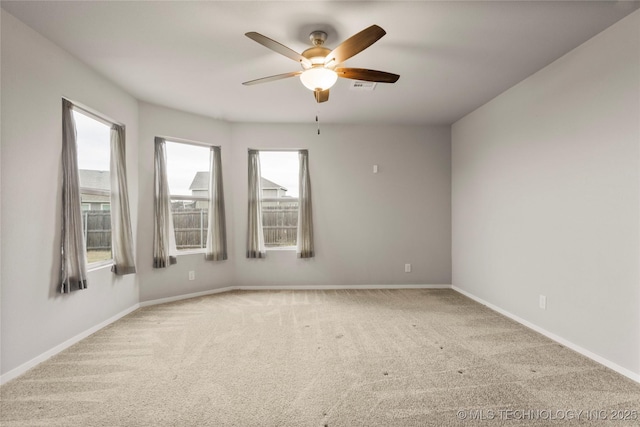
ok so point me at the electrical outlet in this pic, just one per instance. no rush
(192, 275)
(407, 268)
(543, 302)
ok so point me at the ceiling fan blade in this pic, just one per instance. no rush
(321, 95)
(277, 47)
(272, 78)
(367, 75)
(355, 44)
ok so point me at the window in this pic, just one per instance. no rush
(91, 177)
(188, 177)
(94, 152)
(279, 184)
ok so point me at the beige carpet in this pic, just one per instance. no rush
(318, 358)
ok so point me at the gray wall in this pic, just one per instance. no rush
(35, 76)
(173, 281)
(546, 197)
(366, 225)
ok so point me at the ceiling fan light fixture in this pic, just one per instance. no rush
(322, 66)
(318, 78)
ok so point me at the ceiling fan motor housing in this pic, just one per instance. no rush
(316, 55)
(318, 52)
(318, 38)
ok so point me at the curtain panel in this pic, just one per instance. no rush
(73, 274)
(164, 244)
(217, 229)
(121, 236)
(304, 248)
(255, 235)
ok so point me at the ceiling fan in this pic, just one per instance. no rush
(321, 66)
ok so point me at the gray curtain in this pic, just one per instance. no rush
(304, 247)
(121, 237)
(217, 229)
(163, 238)
(73, 274)
(255, 236)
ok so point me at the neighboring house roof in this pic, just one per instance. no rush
(266, 184)
(97, 182)
(201, 182)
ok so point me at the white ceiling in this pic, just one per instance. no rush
(452, 56)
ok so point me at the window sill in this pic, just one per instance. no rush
(282, 248)
(99, 265)
(190, 252)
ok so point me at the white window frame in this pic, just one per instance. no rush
(188, 198)
(91, 266)
(278, 199)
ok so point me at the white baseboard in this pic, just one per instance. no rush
(601, 360)
(285, 288)
(16, 372)
(334, 287)
(186, 296)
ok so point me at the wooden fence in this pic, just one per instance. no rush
(191, 228)
(279, 221)
(97, 230)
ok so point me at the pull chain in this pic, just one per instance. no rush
(318, 122)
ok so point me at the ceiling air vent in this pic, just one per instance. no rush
(361, 86)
